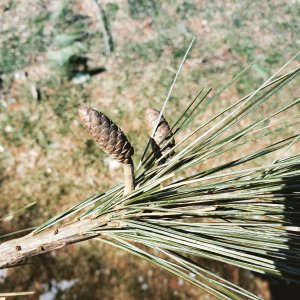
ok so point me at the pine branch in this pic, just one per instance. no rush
(19, 249)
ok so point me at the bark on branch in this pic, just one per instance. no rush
(16, 250)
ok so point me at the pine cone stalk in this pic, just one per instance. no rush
(111, 140)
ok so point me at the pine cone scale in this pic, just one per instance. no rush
(162, 138)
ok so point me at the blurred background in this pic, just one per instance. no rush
(120, 57)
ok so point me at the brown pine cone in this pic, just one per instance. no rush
(162, 133)
(107, 134)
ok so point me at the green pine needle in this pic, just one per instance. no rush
(214, 199)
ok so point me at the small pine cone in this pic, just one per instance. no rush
(107, 134)
(162, 133)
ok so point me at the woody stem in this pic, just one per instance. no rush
(129, 182)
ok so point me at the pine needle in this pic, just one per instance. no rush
(222, 197)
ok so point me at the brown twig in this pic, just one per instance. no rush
(103, 29)
(14, 251)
